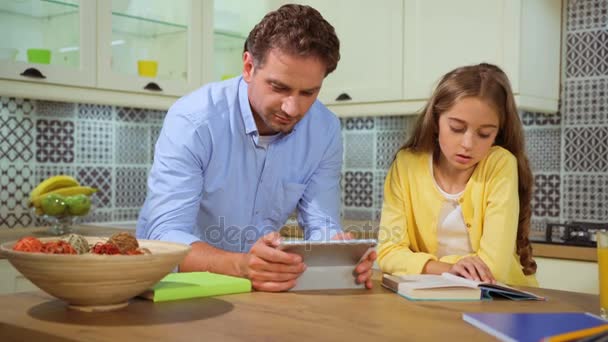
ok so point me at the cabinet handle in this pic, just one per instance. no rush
(153, 87)
(343, 97)
(32, 73)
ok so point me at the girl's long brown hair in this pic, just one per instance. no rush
(490, 84)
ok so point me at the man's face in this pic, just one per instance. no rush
(282, 89)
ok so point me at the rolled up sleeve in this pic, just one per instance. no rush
(175, 183)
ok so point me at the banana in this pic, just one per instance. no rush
(67, 191)
(52, 183)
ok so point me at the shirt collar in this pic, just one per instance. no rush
(245, 108)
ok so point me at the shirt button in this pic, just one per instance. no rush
(461, 200)
(257, 212)
(468, 225)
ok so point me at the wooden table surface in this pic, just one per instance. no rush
(329, 315)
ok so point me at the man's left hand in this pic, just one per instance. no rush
(363, 270)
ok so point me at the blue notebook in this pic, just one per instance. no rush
(523, 327)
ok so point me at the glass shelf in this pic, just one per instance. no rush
(229, 34)
(39, 8)
(144, 27)
(226, 40)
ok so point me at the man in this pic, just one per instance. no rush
(235, 158)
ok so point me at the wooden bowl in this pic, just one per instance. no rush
(91, 282)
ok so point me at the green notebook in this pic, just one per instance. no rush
(186, 285)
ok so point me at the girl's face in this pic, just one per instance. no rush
(466, 133)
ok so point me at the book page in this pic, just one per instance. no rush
(460, 280)
(429, 281)
(509, 291)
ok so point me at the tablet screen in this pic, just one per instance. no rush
(329, 253)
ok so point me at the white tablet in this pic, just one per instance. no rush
(330, 264)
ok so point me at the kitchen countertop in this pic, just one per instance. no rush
(360, 228)
(347, 315)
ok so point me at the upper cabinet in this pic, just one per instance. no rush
(371, 50)
(48, 41)
(232, 21)
(147, 53)
(395, 51)
(150, 45)
(520, 36)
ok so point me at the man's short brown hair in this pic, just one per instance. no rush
(297, 30)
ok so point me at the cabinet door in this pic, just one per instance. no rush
(441, 35)
(232, 22)
(151, 46)
(48, 41)
(550, 274)
(371, 50)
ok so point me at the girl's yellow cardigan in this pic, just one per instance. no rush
(490, 207)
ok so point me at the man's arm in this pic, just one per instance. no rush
(319, 207)
(204, 257)
(268, 268)
(174, 194)
(175, 183)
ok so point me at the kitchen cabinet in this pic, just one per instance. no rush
(167, 37)
(523, 37)
(96, 45)
(11, 281)
(567, 275)
(371, 50)
(232, 22)
(393, 51)
(62, 32)
(520, 36)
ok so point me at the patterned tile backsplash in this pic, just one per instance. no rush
(105, 147)
(111, 147)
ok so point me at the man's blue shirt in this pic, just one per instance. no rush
(212, 181)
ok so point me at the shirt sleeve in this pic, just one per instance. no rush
(175, 183)
(395, 255)
(319, 207)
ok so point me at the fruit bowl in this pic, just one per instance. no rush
(92, 282)
(59, 201)
(58, 225)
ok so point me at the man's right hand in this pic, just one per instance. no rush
(270, 269)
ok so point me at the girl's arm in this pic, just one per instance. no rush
(394, 253)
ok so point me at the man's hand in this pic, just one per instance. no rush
(472, 267)
(270, 269)
(363, 271)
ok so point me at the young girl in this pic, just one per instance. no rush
(457, 196)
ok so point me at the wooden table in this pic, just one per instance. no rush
(347, 315)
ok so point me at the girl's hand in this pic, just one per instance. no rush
(472, 267)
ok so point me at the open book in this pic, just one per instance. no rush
(450, 287)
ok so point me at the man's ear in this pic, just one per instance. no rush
(248, 67)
